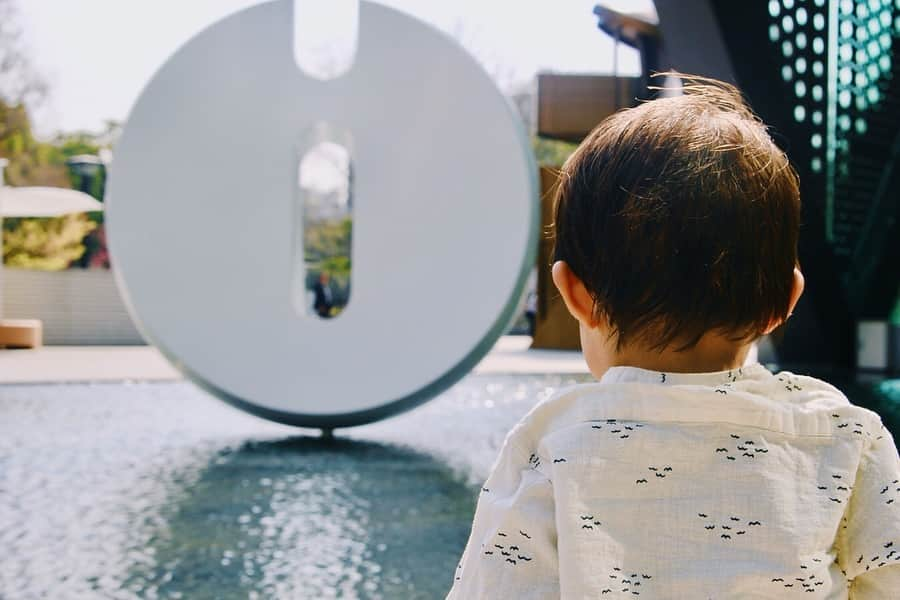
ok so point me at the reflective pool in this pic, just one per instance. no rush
(159, 491)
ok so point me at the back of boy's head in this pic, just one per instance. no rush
(681, 216)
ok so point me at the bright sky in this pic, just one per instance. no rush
(98, 54)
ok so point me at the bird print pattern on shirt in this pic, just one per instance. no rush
(588, 522)
(849, 425)
(739, 448)
(789, 382)
(805, 581)
(508, 549)
(658, 473)
(887, 553)
(616, 428)
(836, 488)
(890, 492)
(731, 527)
(891, 553)
(625, 584)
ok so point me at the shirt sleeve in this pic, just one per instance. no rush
(869, 551)
(511, 551)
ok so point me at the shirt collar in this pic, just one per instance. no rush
(638, 375)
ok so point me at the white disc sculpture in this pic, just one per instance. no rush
(203, 217)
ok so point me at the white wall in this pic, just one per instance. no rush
(78, 306)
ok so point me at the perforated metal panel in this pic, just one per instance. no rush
(839, 71)
(823, 75)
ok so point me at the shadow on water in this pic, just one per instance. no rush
(306, 517)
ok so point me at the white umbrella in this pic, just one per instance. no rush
(44, 202)
(35, 202)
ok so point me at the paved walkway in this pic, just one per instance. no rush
(57, 364)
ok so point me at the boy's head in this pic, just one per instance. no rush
(680, 217)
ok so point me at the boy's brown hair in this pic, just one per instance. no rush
(681, 216)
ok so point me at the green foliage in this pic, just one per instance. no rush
(551, 153)
(77, 143)
(337, 265)
(327, 245)
(31, 162)
(50, 244)
(327, 248)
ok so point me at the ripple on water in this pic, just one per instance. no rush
(158, 491)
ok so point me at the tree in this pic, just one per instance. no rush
(30, 162)
(551, 153)
(20, 83)
(47, 244)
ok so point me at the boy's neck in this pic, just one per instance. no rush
(714, 352)
(695, 360)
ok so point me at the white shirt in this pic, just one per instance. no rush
(647, 485)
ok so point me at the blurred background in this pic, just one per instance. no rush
(119, 479)
(72, 71)
(819, 72)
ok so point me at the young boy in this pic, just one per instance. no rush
(684, 473)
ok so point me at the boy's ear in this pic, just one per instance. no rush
(796, 291)
(574, 294)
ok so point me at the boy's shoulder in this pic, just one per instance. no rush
(786, 401)
(809, 394)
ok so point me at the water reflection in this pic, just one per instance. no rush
(307, 518)
(160, 491)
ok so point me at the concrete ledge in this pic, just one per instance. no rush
(511, 354)
(58, 364)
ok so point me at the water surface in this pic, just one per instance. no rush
(157, 490)
(151, 490)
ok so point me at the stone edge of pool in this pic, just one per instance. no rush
(511, 355)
